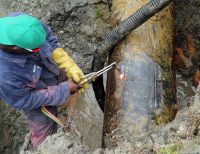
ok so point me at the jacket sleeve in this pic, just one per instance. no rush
(27, 99)
(52, 39)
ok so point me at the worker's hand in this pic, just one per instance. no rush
(75, 72)
(84, 87)
(73, 87)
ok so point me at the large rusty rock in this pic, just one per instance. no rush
(146, 95)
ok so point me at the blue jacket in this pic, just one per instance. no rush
(28, 81)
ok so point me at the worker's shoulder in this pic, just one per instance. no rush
(7, 59)
(9, 67)
(6, 70)
(4, 77)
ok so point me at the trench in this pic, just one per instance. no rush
(187, 21)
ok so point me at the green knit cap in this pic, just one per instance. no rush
(23, 31)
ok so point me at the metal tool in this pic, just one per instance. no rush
(92, 76)
(87, 78)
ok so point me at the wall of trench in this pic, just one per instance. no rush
(81, 25)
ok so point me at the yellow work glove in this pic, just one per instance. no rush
(61, 58)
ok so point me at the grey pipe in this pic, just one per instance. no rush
(121, 31)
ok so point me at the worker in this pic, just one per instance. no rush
(32, 65)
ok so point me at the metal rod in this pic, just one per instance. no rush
(98, 74)
(94, 75)
(105, 68)
(87, 75)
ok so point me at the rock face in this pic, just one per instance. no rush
(83, 114)
(187, 23)
(12, 129)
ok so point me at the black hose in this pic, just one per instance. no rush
(115, 36)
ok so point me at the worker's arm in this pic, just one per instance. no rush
(61, 58)
(28, 99)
